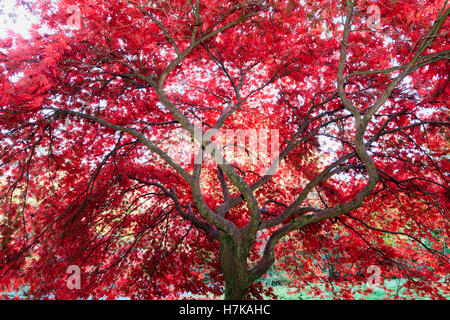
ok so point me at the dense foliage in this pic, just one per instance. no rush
(111, 112)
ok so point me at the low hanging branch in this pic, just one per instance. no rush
(114, 150)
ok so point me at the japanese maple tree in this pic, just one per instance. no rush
(111, 114)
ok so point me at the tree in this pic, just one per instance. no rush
(99, 107)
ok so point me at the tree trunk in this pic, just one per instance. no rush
(234, 268)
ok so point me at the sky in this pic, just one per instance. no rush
(14, 18)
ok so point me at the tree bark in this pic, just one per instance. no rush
(234, 267)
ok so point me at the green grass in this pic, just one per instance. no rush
(284, 292)
(389, 289)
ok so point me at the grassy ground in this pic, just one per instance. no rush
(391, 290)
(387, 291)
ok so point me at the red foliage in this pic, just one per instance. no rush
(95, 121)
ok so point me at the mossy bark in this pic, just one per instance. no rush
(234, 268)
